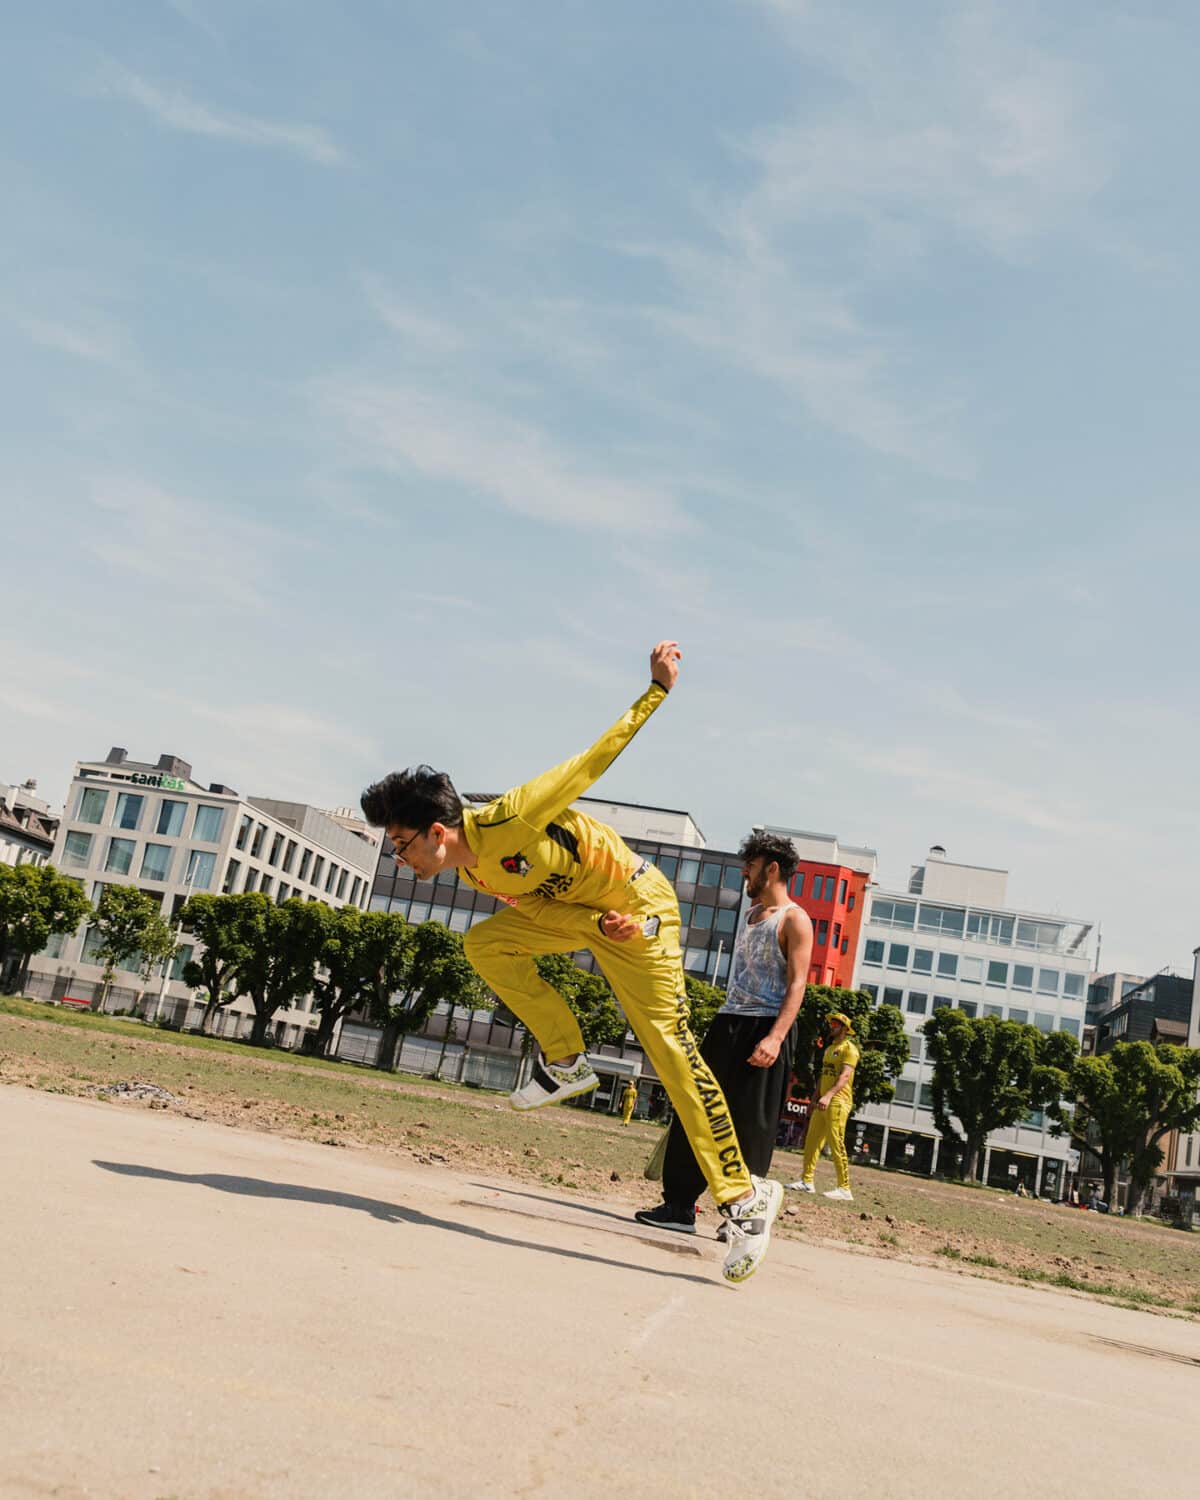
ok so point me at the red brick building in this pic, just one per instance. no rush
(830, 884)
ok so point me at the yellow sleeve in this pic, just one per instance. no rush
(540, 801)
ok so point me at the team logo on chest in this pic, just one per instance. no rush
(516, 864)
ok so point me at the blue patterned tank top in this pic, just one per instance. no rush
(758, 974)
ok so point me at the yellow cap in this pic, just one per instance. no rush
(841, 1016)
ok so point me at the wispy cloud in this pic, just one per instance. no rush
(96, 345)
(176, 111)
(405, 429)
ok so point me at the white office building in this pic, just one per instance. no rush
(950, 938)
(151, 825)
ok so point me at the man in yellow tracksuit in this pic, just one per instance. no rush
(570, 883)
(831, 1110)
(628, 1102)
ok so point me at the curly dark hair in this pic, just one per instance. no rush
(772, 847)
(416, 798)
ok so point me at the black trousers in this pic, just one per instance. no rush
(755, 1097)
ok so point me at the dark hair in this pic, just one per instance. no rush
(770, 847)
(416, 798)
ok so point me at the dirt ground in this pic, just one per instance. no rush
(207, 1313)
(987, 1233)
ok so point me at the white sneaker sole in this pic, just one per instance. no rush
(568, 1091)
(746, 1251)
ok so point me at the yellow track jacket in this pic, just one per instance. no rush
(530, 842)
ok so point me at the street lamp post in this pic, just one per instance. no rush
(167, 962)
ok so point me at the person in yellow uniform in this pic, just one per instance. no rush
(570, 882)
(628, 1102)
(831, 1111)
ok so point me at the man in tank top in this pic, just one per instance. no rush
(751, 1043)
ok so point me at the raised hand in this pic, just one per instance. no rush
(664, 663)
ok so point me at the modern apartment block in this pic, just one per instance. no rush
(831, 885)
(131, 822)
(950, 938)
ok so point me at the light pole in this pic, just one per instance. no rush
(167, 962)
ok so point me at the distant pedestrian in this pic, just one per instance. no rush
(629, 1100)
(832, 1110)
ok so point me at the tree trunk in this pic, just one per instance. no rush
(1110, 1179)
(974, 1161)
(325, 1027)
(388, 1042)
(258, 1033)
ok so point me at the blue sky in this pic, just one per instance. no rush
(379, 381)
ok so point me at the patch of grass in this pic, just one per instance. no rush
(983, 1260)
(887, 1238)
(951, 1252)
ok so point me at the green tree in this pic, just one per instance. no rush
(878, 1033)
(281, 948)
(130, 929)
(36, 904)
(433, 968)
(704, 1001)
(988, 1074)
(1121, 1104)
(215, 922)
(365, 959)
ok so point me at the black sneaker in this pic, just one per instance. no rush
(668, 1216)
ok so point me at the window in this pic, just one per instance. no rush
(341, 885)
(925, 1096)
(460, 919)
(289, 854)
(120, 856)
(354, 890)
(251, 879)
(200, 866)
(170, 818)
(947, 919)
(669, 865)
(1069, 1024)
(688, 870)
(798, 885)
(893, 997)
(1048, 981)
(1043, 1020)
(276, 846)
(1022, 977)
(317, 868)
(970, 970)
(846, 945)
(183, 957)
(260, 833)
(419, 912)
(266, 884)
(77, 849)
(842, 894)
(850, 902)
(922, 961)
(1043, 936)
(898, 956)
(1021, 1016)
(968, 1007)
(1073, 986)
(917, 1003)
(988, 927)
(244, 830)
(872, 990)
(947, 965)
(914, 1049)
(994, 1010)
(822, 933)
(208, 825)
(156, 862)
(231, 874)
(906, 1090)
(710, 873)
(305, 861)
(893, 913)
(685, 912)
(285, 891)
(129, 810)
(837, 934)
(873, 951)
(726, 919)
(92, 803)
(330, 877)
(731, 878)
(997, 973)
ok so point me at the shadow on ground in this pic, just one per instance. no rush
(389, 1213)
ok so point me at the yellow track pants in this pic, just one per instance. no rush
(828, 1127)
(646, 974)
(627, 1111)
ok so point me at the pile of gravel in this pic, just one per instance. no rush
(146, 1092)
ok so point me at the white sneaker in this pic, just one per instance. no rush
(748, 1229)
(800, 1186)
(840, 1195)
(549, 1084)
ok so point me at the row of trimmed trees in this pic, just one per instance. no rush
(988, 1074)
